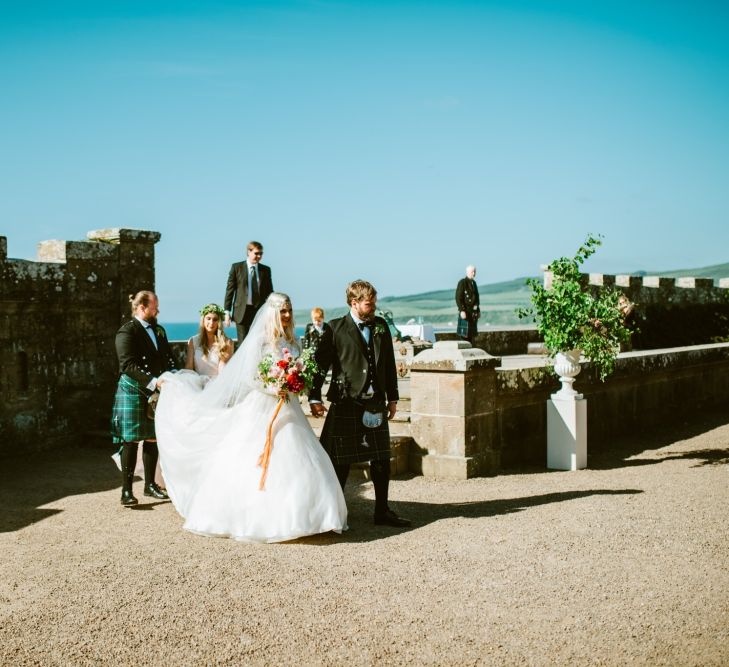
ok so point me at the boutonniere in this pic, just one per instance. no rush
(159, 331)
(378, 329)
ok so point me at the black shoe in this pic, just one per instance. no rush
(389, 518)
(154, 491)
(128, 499)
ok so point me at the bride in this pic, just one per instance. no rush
(211, 436)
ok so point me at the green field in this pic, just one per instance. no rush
(498, 300)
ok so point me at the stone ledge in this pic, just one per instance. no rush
(118, 235)
(453, 355)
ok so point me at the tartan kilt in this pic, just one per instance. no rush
(465, 328)
(129, 421)
(347, 440)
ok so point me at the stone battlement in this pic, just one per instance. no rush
(669, 312)
(58, 318)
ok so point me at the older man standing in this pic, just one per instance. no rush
(469, 305)
(249, 284)
(144, 354)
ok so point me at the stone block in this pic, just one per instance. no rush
(602, 279)
(424, 393)
(450, 394)
(449, 467)
(632, 282)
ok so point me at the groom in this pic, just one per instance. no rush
(363, 390)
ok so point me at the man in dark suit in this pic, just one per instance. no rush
(363, 394)
(469, 306)
(144, 354)
(249, 284)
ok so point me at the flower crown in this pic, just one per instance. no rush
(212, 308)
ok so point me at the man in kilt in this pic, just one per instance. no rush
(144, 354)
(363, 394)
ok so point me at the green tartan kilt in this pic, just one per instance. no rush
(347, 440)
(129, 421)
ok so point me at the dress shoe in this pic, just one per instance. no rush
(128, 499)
(389, 518)
(154, 491)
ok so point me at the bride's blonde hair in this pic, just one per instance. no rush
(274, 328)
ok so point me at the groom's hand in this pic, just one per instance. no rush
(391, 409)
(317, 409)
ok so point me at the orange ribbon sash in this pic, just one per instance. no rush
(265, 457)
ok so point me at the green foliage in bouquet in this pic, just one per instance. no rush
(571, 315)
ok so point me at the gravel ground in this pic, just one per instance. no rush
(625, 563)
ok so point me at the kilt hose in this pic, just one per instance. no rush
(129, 421)
(347, 440)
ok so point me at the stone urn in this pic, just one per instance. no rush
(567, 366)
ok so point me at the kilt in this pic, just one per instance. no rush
(129, 421)
(347, 440)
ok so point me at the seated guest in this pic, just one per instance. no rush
(210, 349)
(315, 329)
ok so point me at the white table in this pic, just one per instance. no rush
(422, 331)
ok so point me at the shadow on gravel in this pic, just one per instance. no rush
(620, 452)
(28, 483)
(422, 514)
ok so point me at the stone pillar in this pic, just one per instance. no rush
(136, 261)
(453, 415)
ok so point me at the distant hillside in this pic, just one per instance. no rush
(498, 300)
(717, 271)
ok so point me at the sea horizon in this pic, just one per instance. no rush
(183, 330)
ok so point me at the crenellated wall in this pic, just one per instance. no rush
(670, 312)
(58, 317)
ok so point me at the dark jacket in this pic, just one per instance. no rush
(137, 355)
(312, 336)
(236, 291)
(467, 298)
(342, 347)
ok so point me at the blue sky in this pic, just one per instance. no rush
(394, 141)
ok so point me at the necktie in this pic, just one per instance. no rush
(255, 294)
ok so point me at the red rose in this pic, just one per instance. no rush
(282, 364)
(294, 382)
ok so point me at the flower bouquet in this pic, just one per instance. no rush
(287, 375)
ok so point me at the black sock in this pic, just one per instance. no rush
(150, 454)
(380, 472)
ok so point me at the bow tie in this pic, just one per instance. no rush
(362, 325)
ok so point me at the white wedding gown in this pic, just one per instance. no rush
(209, 458)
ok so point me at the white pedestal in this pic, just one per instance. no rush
(567, 432)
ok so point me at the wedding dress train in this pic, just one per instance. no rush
(209, 451)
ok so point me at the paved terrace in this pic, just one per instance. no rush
(624, 563)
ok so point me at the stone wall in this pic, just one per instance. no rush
(669, 312)
(471, 416)
(58, 317)
(501, 341)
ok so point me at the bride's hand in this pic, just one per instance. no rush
(283, 393)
